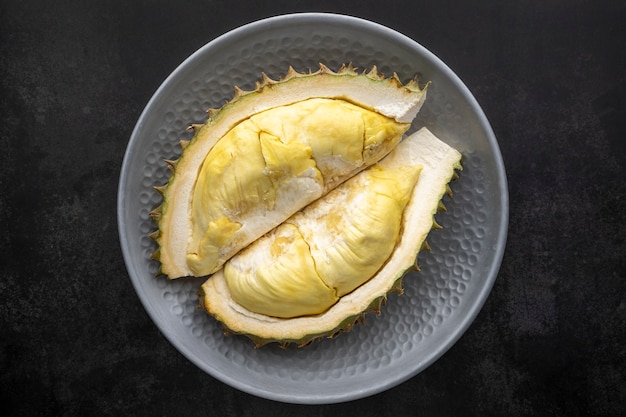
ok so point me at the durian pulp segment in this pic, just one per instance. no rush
(275, 160)
(353, 231)
(324, 252)
(278, 277)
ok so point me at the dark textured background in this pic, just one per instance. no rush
(550, 76)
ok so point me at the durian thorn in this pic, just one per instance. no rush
(425, 246)
(334, 334)
(305, 343)
(238, 93)
(414, 84)
(155, 235)
(441, 206)
(373, 73)
(171, 164)
(155, 216)
(448, 190)
(266, 81)
(397, 286)
(184, 143)
(436, 225)
(291, 73)
(376, 305)
(156, 255)
(348, 324)
(394, 79)
(347, 69)
(325, 70)
(160, 189)
(195, 127)
(212, 112)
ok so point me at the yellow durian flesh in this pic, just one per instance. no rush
(278, 276)
(353, 231)
(278, 159)
(325, 251)
(439, 162)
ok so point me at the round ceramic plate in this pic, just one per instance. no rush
(438, 303)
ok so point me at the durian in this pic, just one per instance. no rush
(303, 203)
(270, 152)
(320, 271)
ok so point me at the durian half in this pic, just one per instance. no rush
(276, 290)
(270, 152)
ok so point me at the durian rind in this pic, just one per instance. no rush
(371, 90)
(440, 163)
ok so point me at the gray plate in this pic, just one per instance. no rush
(439, 302)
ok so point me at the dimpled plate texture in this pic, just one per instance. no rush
(438, 303)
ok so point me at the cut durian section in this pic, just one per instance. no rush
(269, 152)
(431, 164)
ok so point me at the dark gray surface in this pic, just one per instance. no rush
(74, 338)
